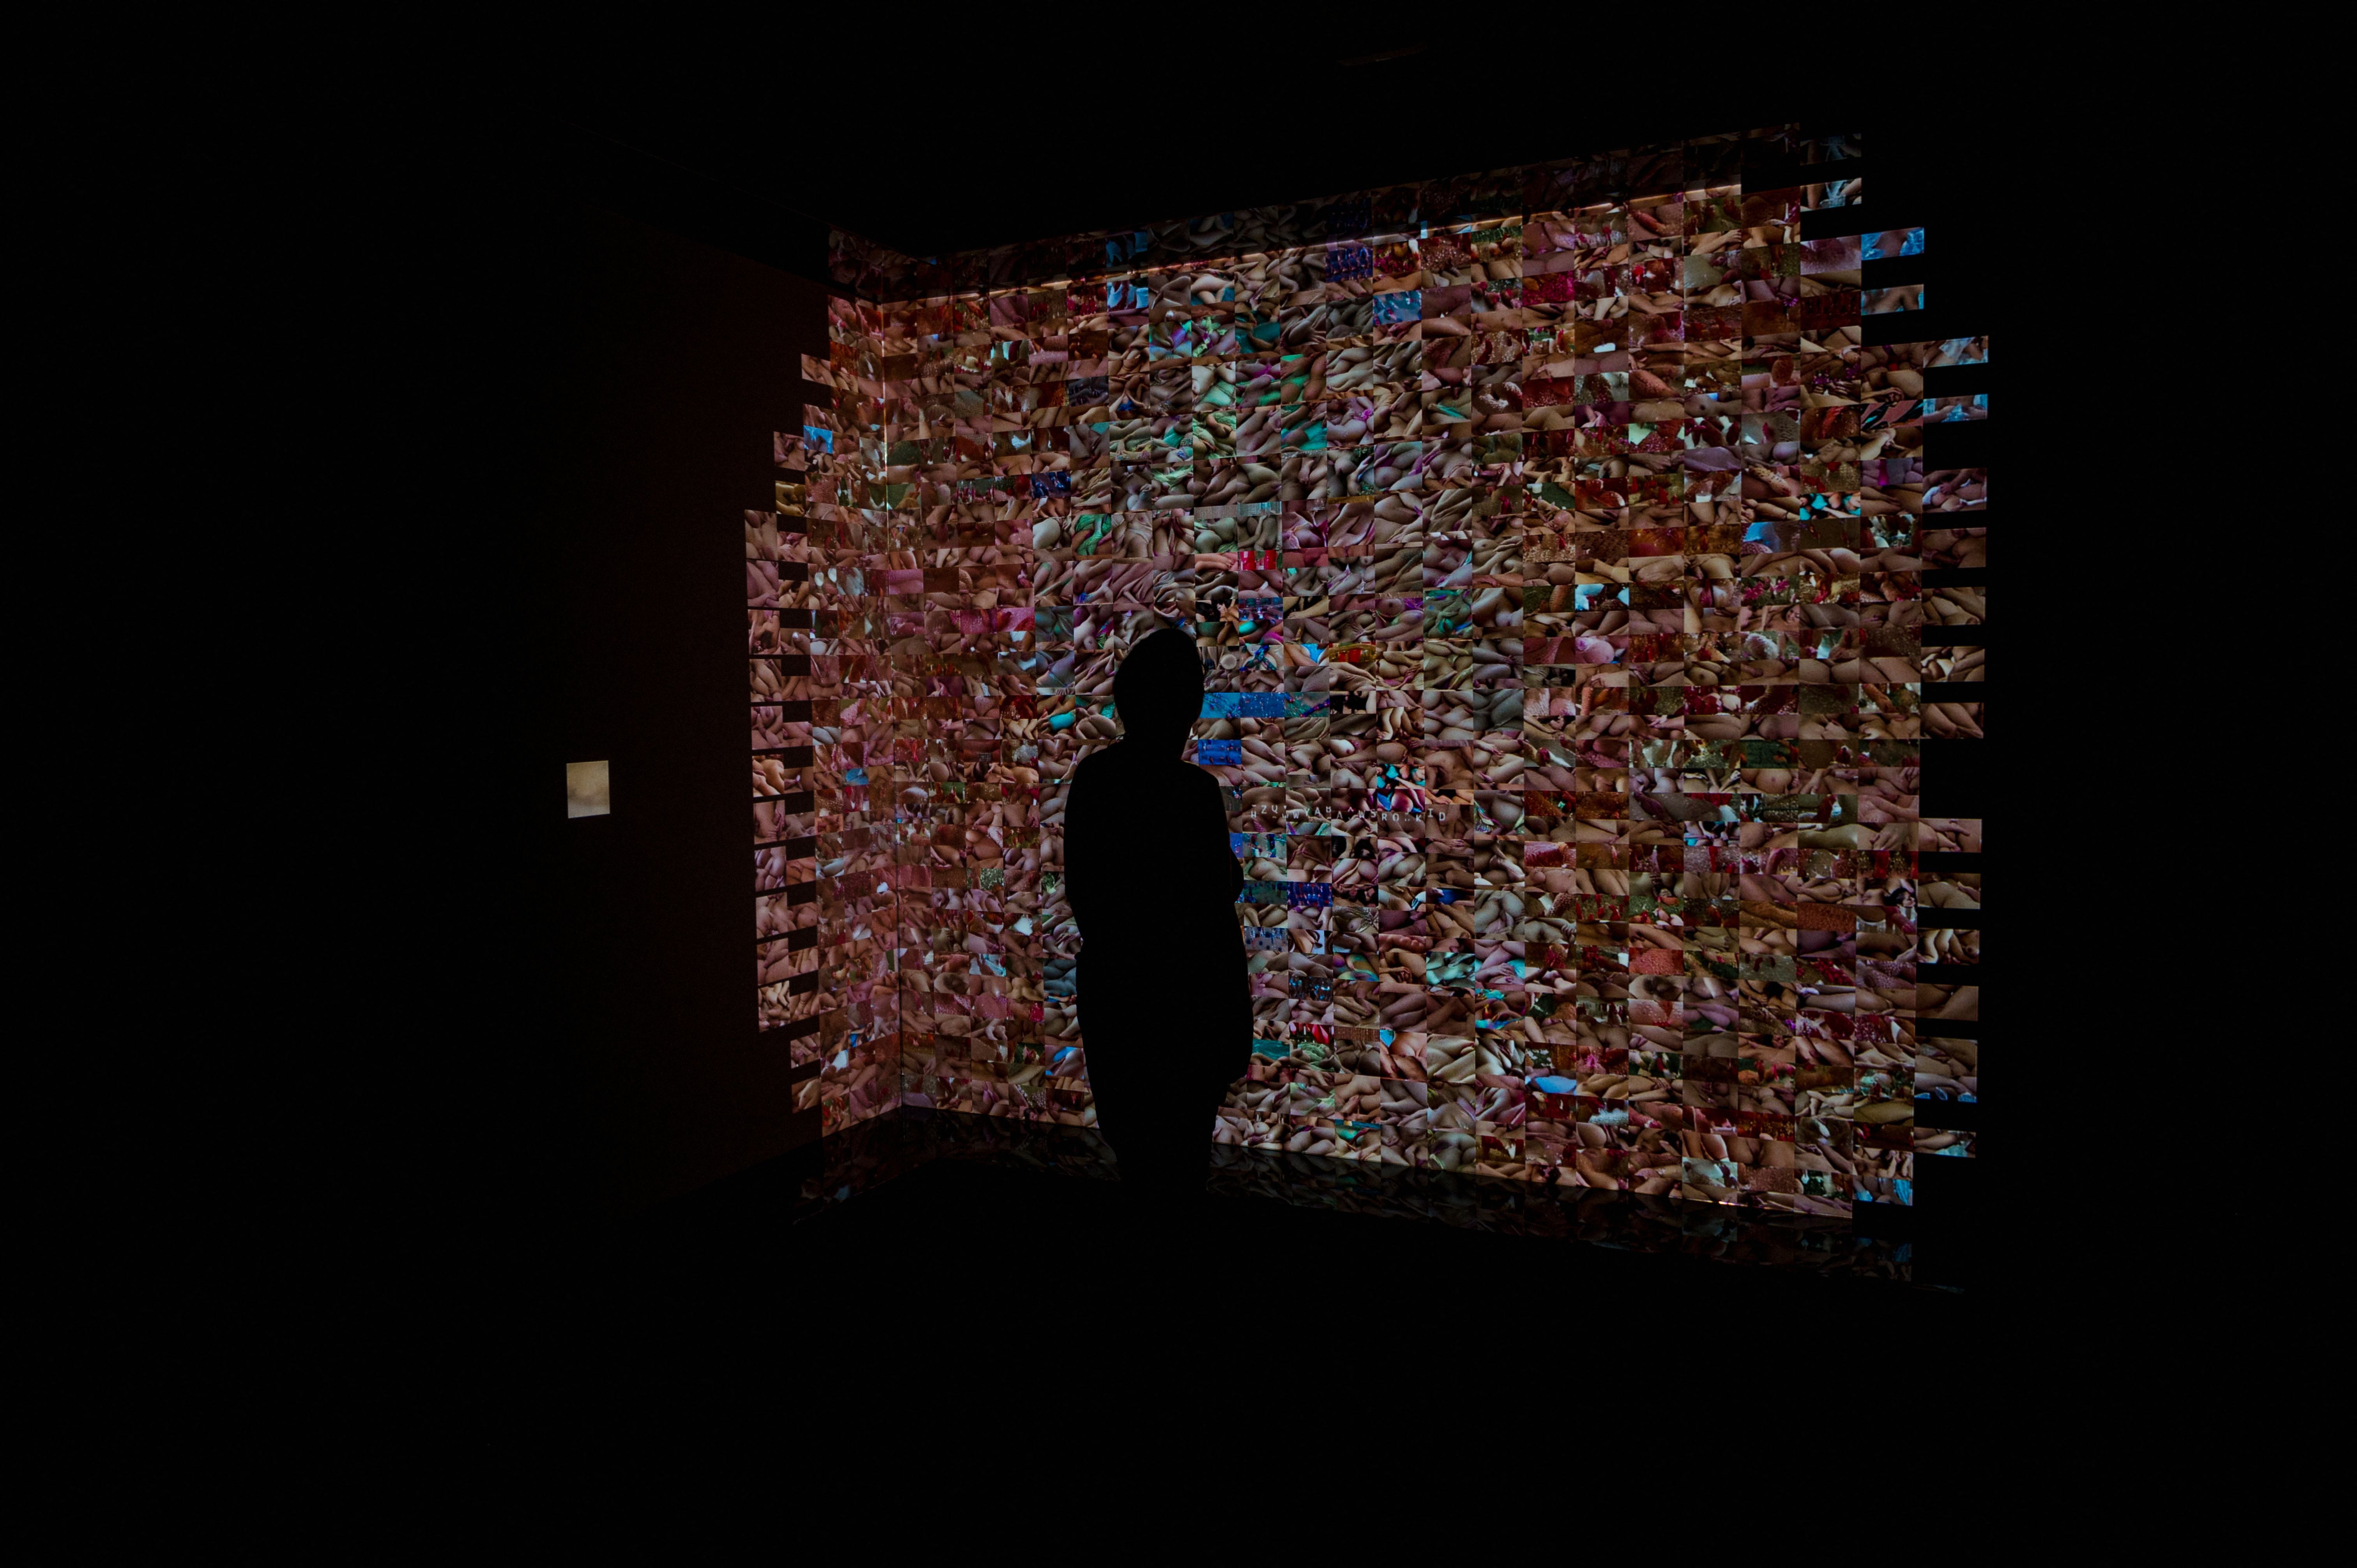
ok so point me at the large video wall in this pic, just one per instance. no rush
(1569, 580)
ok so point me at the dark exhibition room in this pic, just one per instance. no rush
(1326, 724)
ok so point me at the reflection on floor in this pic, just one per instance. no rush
(865, 1157)
(931, 1251)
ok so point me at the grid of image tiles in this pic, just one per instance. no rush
(826, 911)
(1556, 542)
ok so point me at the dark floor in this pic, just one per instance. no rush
(951, 1252)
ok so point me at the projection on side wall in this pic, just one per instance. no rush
(1557, 547)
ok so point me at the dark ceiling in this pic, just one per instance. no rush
(751, 140)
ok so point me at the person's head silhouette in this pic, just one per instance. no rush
(1158, 690)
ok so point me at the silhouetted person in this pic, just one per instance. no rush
(1165, 1005)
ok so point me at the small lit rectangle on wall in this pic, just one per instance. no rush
(587, 792)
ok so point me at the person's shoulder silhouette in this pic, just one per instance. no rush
(1144, 831)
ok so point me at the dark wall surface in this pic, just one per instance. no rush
(672, 363)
